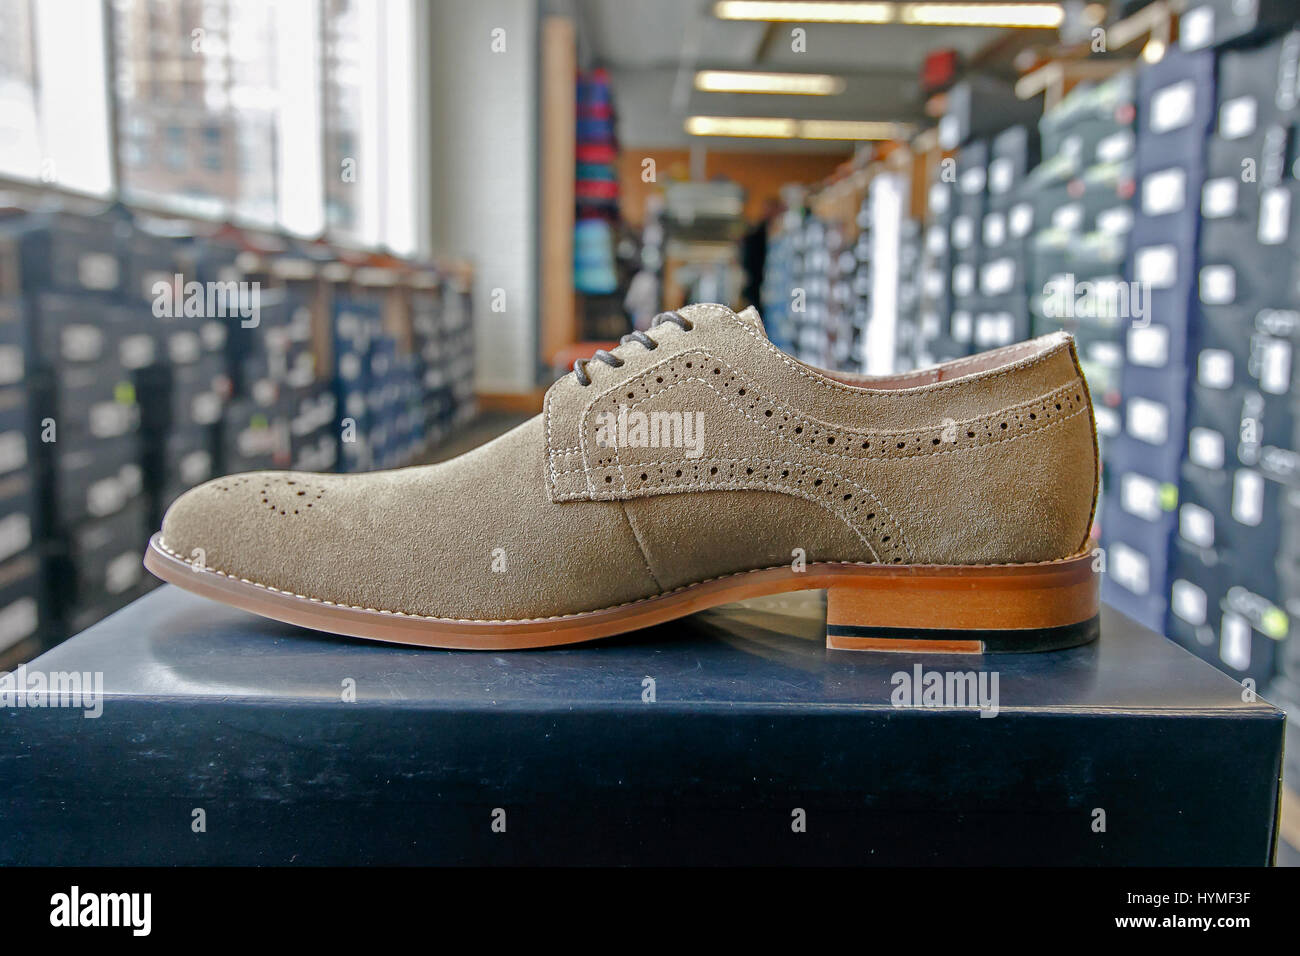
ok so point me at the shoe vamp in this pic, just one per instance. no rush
(475, 538)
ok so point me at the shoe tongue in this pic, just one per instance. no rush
(711, 311)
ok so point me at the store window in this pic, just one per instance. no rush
(53, 95)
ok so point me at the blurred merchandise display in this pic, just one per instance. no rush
(141, 357)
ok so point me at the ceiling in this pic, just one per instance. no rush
(653, 49)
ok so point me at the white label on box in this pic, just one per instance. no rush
(1274, 357)
(213, 334)
(998, 276)
(973, 180)
(1205, 448)
(1157, 266)
(1248, 497)
(995, 229)
(1107, 421)
(1214, 368)
(1234, 641)
(1173, 106)
(994, 329)
(1164, 192)
(936, 240)
(137, 351)
(1196, 28)
(1002, 175)
(1218, 284)
(1148, 421)
(963, 279)
(15, 534)
(1140, 495)
(1116, 221)
(939, 198)
(1149, 345)
(1196, 524)
(1219, 198)
(17, 621)
(1021, 219)
(81, 343)
(962, 326)
(97, 271)
(12, 368)
(1115, 147)
(131, 478)
(13, 451)
(1237, 117)
(963, 232)
(195, 467)
(105, 497)
(205, 409)
(1068, 218)
(184, 348)
(1130, 568)
(122, 572)
(1188, 602)
(1274, 216)
(109, 419)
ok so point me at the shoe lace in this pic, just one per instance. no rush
(613, 361)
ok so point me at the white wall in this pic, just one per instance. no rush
(483, 160)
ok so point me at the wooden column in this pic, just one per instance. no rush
(557, 140)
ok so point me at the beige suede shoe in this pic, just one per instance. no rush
(946, 509)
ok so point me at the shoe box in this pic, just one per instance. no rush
(23, 608)
(1137, 551)
(1155, 417)
(19, 518)
(1013, 154)
(1175, 107)
(1223, 623)
(1212, 23)
(62, 251)
(98, 563)
(980, 106)
(254, 438)
(1234, 509)
(179, 460)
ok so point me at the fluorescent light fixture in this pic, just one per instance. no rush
(792, 10)
(741, 81)
(1041, 15)
(849, 129)
(782, 128)
(742, 126)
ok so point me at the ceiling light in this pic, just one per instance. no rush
(739, 81)
(1041, 15)
(781, 128)
(849, 129)
(741, 126)
(790, 10)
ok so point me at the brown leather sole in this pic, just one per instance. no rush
(916, 608)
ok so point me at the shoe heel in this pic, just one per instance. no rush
(965, 610)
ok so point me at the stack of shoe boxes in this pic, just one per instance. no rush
(179, 362)
(811, 338)
(841, 267)
(1140, 511)
(935, 268)
(358, 324)
(23, 607)
(83, 419)
(1002, 316)
(908, 308)
(780, 278)
(1079, 204)
(964, 241)
(1234, 590)
(458, 332)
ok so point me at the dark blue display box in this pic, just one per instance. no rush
(731, 737)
